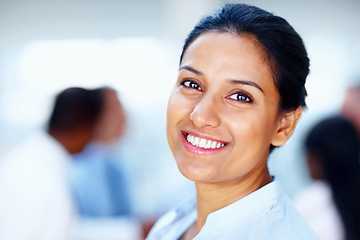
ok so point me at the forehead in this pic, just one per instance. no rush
(245, 45)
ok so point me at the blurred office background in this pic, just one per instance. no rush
(134, 46)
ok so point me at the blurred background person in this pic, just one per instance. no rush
(351, 106)
(98, 183)
(35, 199)
(331, 202)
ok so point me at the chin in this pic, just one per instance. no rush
(195, 173)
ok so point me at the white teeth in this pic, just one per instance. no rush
(203, 143)
(208, 144)
(189, 138)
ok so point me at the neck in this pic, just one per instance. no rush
(214, 196)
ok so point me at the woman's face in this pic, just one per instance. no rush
(223, 111)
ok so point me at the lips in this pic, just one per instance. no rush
(201, 145)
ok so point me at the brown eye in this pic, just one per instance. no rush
(191, 84)
(241, 97)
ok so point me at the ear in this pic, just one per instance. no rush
(286, 126)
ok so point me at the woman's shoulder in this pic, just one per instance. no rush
(278, 219)
(175, 222)
(263, 215)
(283, 221)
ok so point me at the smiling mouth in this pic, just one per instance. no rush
(203, 143)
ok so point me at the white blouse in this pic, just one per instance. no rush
(264, 214)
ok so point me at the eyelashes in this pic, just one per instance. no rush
(190, 84)
(241, 97)
(238, 96)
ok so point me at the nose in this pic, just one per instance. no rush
(205, 113)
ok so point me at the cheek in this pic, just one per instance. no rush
(176, 112)
(250, 147)
(246, 133)
(252, 129)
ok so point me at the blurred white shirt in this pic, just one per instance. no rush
(316, 204)
(35, 199)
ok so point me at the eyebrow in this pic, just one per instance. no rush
(187, 67)
(249, 83)
(233, 81)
